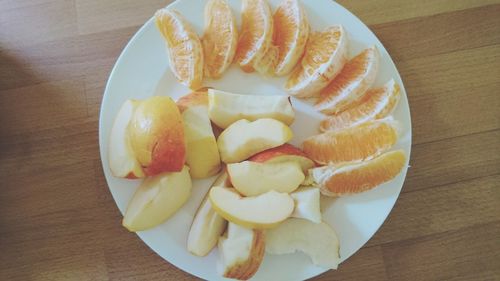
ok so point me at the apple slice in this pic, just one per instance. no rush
(244, 138)
(307, 204)
(264, 211)
(284, 153)
(207, 224)
(252, 178)
(318, 240)
(157, 136)
(226, 108)
(241, 252)
(122, 161)
(157, 199)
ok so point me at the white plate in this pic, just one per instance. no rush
(142, 71)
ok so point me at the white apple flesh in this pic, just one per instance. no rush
(307, 204)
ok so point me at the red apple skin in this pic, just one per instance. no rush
(199, 97)
(283, 150)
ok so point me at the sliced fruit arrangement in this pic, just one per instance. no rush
(325, 55)
(184, 48)
(219, 39)
(350, 85)
(358, 177)
(307, 204)
(378, 103)
(226, 108)
(358, 143)
(284, 153)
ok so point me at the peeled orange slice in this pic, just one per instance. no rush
(356, 77)
(324, 57)
(220, 38)
(267, 63)
(256, 33)
(376, 104)
(184, 47)
(354, 144)
(359, 177)
(291, 30)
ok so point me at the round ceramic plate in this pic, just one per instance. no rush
(142, 71)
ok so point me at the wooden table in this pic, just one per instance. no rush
(59, 222)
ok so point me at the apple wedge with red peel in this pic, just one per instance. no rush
(284, 153)
(264, 211)
(253, 178)
(226, 108)
(307, 204)
(157, 199)
(317, 240)
(241, 252)
(207, 225)
(244, 138)
(122, 161)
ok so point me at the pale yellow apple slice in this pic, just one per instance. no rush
(264, 211)
(122, 161)
(253, 178)
(307, 204)
(157, 199)
(226, 108)
(243, 138)
(207, 225)
(318, 240)
(241, 252)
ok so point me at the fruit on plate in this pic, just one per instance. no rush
(317, 240)
(157, 199)
(253, 178)
(376, 104)
(241, 252)
(207, 225)
(358, 143)
(226, 108)
(263, 211)
(358, 177)
(351, 84)
(291, 31)
(243, 138)
(202, 155)
(324, 57)
(157, 136)
(198, 97)
(284, 153)
(256, 33)
(219, 39)
(185, 52)
(307, 204)
(267, 63)
(122, 161)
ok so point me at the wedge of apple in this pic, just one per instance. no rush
(226, 108)
(317, 240)
(202, 154)
(157, 199)
(244, 138)
(264, 211)
(284, 153)
(157, 136)
(307, 204)
(253, 178)
(207, 225)
(122, 161)
(241, 252)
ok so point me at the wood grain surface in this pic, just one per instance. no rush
(59, 222)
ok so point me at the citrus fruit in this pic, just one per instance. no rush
(356, 77)
(184, 47)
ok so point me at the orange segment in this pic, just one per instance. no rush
(184, 47)
(220, 38)
(291, 30)
(356, 77)
(324, 57)
(376, 104)
(359, 177)
(354, 144)
(256, 33)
